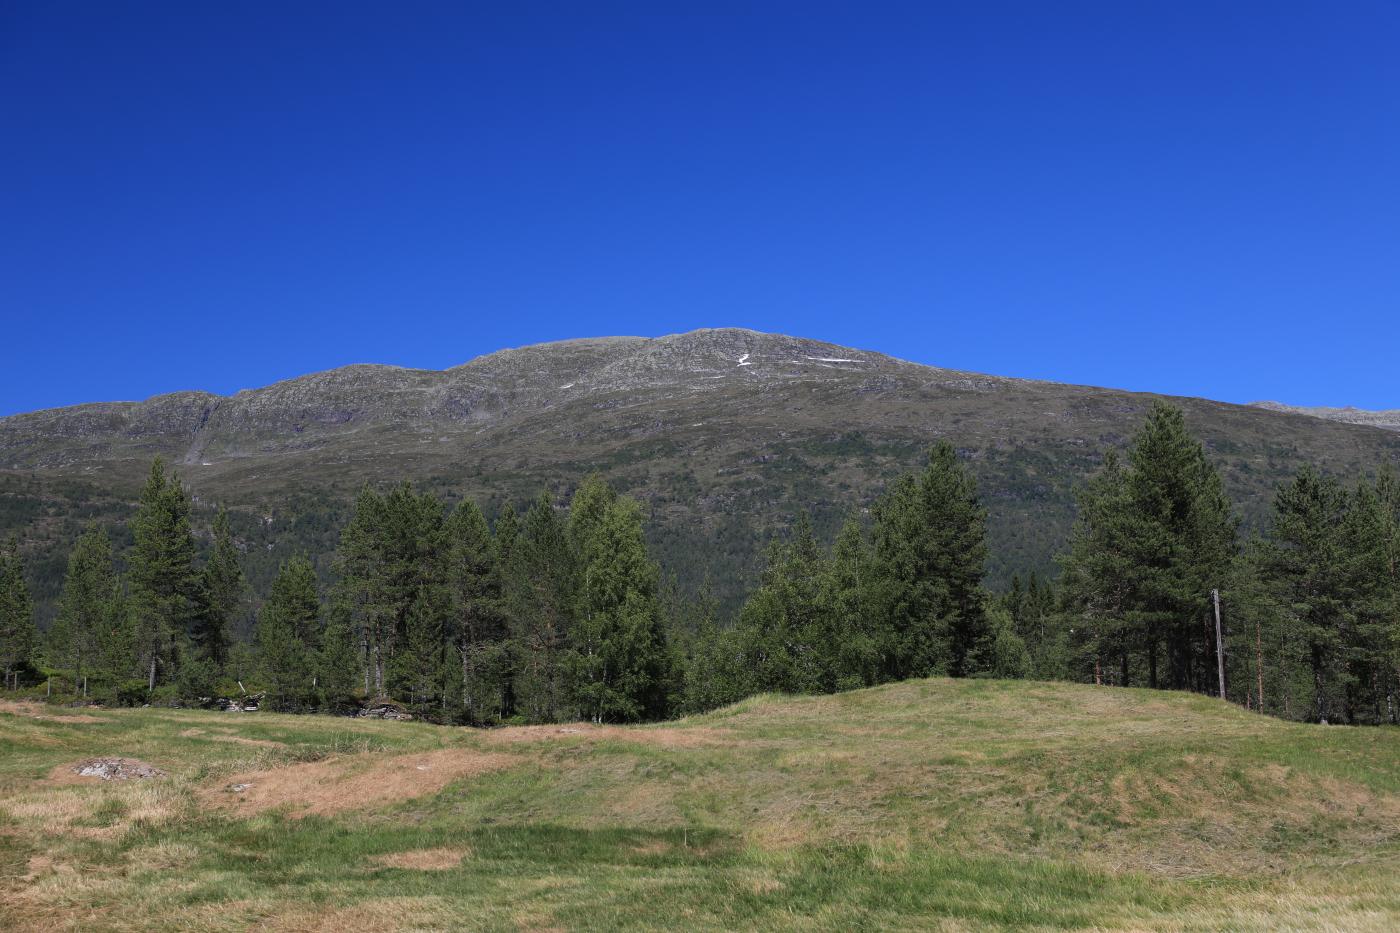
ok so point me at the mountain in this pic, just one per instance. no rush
(1390, 419)
(724, 434)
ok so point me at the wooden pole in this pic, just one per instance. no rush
(1219, 643)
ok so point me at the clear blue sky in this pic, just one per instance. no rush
(1195, 198)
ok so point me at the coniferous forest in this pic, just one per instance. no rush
(555, 611)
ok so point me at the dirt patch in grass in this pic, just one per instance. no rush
(32, 710)
(227, 736)
(352, 782)
(440, 859)
(663, 737)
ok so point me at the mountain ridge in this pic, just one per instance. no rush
(1388, 419)
(723, 434)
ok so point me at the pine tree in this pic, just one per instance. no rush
(224, 586)
(337, 664)
(929, 552)
(539, 598)
(1103, 577)
(1152, 539)
(1006, 654)
(478, 628)
(285, 635)
(392, 554)
(17, 632)
(420, 670)
(1187, 542)
(80, 639)
(844, 640)
(619, 658)
(167, 596)
(1305, 561)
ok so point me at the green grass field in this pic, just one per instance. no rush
(929, 804)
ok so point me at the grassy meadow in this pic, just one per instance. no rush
(930, 804)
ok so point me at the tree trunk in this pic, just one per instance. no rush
(1259, 661)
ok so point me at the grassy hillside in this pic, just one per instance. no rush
(936, 803)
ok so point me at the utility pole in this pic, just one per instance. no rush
(1219, 643)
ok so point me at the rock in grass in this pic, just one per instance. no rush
(116, 769)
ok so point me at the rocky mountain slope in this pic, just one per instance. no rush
(725, 434)
(1389, 419)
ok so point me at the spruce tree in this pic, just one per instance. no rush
(1153, 537)
(1103, 577)
(1307, 563)
(619, 658)
(392, 554)
(929, 552)
(477, 630)
(338, 667)
(845, 640)
(225, 587)
(538, 597)
(287, 628)
(166, 591)
(17, 632)
(80, 639)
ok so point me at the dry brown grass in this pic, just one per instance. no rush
(352, 782)
(29, 709)
(695, 737)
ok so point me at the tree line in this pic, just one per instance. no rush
(559, 612)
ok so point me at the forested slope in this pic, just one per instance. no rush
(724, 435)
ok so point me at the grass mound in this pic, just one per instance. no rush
(923, 804)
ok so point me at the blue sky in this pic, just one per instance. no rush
(1194, 198)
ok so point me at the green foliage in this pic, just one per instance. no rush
(225, 590)
(538, 590)
(1154, 537)
(619, 661)
(287, 634)
(17, 632)
(1328, 599)
(1006, 654)
(928, 558)
(477, 626)
(168, 598)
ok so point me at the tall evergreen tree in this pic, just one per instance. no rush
(845, 640)
(929, 552)
(17, 632)
(167, 596)
(392, 554)
(338, 668)
(286, 633)
(620, 663)
(783, 620)
(1306, 560)
(81, 639)
(538, 596)
(477, 630)
(1153, 539)
(224, 587)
